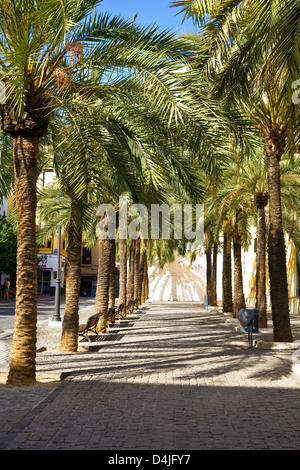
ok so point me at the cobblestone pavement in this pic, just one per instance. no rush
(173, 376)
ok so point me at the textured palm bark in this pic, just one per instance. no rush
(101, 301)
(208, 264)
(260, 201)
(136, 282)
(142, 276)
(238, 298)
(275, 144)
(146, 279)
(123, 276)
(69, 337)
(214, 299)
(112, 277)
(130, 282)
(22, 369)
(227, 302)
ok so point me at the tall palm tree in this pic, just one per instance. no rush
(235, 213)
(260, 202)
(212, 232)
(58, 207)
(32, 46)
(227, 294)
(251, 49)
(102, 293)
(239, 297)
(130, 278)
(47, 52)
(122, 301)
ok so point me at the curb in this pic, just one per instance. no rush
(268, 344)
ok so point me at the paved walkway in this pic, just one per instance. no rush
(172, 377)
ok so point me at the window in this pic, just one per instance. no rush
(86, 256)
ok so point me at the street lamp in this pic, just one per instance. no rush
(56, 315)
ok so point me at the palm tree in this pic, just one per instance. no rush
(136, 281)
(32, 47)
(74, 236)
(239, 297)
(255, 45)
(212, 233)
(143, 274)
(57, 207)
(227, 296)
(235, 213)
(47, 54)
(260, 202)
(102, 293)
(122, 303)
(208, 252)
(130, 278)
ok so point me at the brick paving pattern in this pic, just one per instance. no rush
(172, 377)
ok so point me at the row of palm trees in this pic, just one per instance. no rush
(250, 53)
(236, 207)
(121, 109)
(71, 74)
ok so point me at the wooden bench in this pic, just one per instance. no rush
(111, 315)
(89, 326)
(130, 306)
(119, 315)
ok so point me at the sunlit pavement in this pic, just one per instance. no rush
(173, 376)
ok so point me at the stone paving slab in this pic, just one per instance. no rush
(176, 377)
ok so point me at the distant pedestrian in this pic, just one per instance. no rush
(6, 289)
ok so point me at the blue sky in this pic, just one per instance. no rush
(151, 12)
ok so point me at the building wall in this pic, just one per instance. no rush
(48, 262)
(180, 282)
(177, 281)
(89, 272)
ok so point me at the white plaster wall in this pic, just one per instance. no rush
(177, 281)
(50, 262)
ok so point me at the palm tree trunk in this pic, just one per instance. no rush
(137, 272)
(69, 338)
(261, 304)
(275, 143)
(130, 281)
(143, 276)
(226, 275)
(238, 298)
(146, 280)
(112, 277)
(101, 300)
(123, 276)
(22, 369)
(208, 264)
(214, 300)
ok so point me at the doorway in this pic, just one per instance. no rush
(44, 281)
